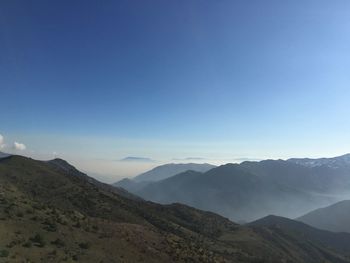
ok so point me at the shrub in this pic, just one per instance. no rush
(27, 244)
(38, 240)
(84, 245)
(58, 243)
(4, 253)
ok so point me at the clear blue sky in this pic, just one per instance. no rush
(175, 79)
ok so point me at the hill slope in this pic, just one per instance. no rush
(334, 218)
(50, 212)
(311, 239)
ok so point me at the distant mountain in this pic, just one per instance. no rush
(159, 173)
(251, 190)
(131, 185)
(4, 155)
(334, 218)
(335, 162)
(168, 170)
(51, 212)
(320, 179)
(233, 191)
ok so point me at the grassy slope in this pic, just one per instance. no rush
(50, 212)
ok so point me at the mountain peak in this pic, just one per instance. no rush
(167, 170)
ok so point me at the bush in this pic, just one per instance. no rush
(58, 243)
(84, 245)
(4, 253)
(27, 244)
(38, 240)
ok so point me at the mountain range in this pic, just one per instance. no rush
(51, 212)
(251, 190)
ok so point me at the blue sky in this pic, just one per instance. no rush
(221, 80)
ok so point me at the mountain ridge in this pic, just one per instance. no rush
(279, 187)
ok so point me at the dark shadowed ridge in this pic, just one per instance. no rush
(338, 241)
(64, 166)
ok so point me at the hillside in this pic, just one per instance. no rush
(308, 238)
(334, 218)
(51, 212)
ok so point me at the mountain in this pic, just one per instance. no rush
(334, 218)
(171, 169)
(235, 191)
(130, 185)
(251, 190)
(4, 155)
(335, 162)
(51, 212)
(319, 179)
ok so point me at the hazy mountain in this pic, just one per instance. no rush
(251, 190)
(320, 179)
(51, 212)
(159, 173)
(171, 169)
(131, 185)
(4, 155)
(334, 218)
(233, 191)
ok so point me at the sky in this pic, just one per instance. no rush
(95, 82)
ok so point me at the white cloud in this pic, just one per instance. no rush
(19, 146)
(2, 145)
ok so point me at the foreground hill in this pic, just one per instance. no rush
(50, 212)
(310, 239)
(334, 218)
(251, 190)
